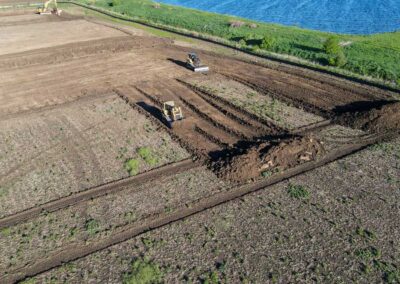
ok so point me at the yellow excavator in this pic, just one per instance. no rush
(171, 112)
(44, 9)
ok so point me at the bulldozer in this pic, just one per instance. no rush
(193, 62)
(171, 113)
(44, 9)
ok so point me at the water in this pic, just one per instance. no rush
(341, 16)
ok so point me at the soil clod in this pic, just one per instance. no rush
(267, 158)
(379, 119)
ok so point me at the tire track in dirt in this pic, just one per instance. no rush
(66, 141)
(85, 97)
(184, 129)
(95, 192)
(74, 252)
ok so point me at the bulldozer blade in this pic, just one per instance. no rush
(201, 69)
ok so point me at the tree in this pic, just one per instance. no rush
(334, 51)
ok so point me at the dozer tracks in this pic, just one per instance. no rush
(74, 252)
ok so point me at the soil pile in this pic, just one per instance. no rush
(267, 158)
(381, 119)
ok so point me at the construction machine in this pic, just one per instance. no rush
(171, 113)
(193, 62)
(44, 9)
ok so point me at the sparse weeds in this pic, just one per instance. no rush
(5, 232)
(298, 191)
(368, 253)
(366, 234)
(147, 155)
(92, 227)
(143, 271)
(388, 148)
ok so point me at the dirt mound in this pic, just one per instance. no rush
(267, 158)
(380, 119)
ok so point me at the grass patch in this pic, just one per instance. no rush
(368, 253)
(5, 232)
(132, 166)
(368, 55)
(147, 155)
(92, 227)
(143, 272)
(298, 191)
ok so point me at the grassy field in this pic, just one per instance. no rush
(374, 55)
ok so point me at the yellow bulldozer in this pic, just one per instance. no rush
(44, 9)
(171, 112)
(193, 63)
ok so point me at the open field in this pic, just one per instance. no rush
(368, 55)
(92, 178)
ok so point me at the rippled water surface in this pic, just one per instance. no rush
(342, 16)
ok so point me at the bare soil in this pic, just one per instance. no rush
(377, 119)
(50, 154)
(79, 98)
(267, 158)
(271, 237)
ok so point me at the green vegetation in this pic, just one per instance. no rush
(132, 166)
(92, 227)
(298, 191)
(368, 253)
(143, 272)
(5, 232)
(366, 234)
(374, 55)
(147, 155)
(334, 51)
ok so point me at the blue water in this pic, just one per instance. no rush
(341, 16)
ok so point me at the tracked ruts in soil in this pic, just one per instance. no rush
(95, 192)
(243, 116)
(73, 252)
(314, 96)
(216, 121)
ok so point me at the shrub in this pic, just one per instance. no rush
(143, 272)
(132, 166)
(267, 43)
(331, 45)
(334, 51)
(114, 3)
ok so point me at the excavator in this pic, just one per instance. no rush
(44, 9)
(193, 62)
(171, 113)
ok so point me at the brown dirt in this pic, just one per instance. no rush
(379, 119)
(42, 72)
(268, 157)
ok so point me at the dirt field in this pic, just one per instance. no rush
(91, 176)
